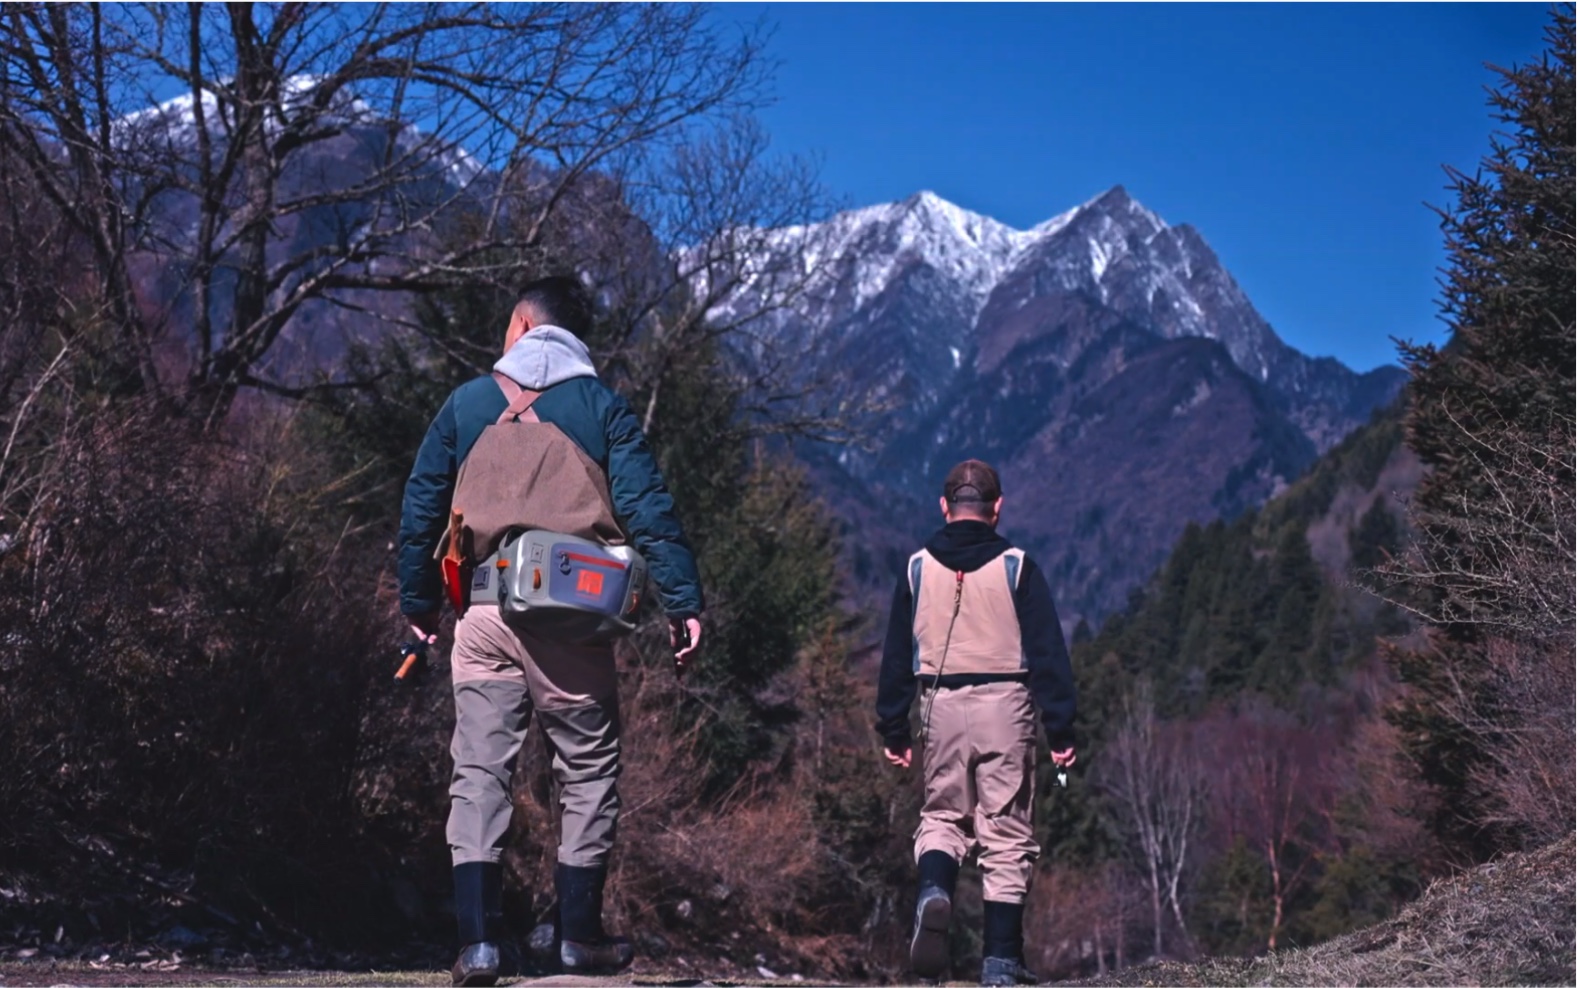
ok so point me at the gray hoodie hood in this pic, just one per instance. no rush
(546, 356)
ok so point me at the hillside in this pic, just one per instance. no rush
(1256, 659)
(1268, 602)
(1511, 921)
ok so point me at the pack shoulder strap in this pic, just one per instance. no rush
(519, 400)
(1013, 563)
(914, 571)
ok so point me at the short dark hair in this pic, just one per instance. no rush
(972, 486)
(561, 301)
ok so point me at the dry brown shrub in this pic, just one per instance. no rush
(189, 656)
(1078, 921)
(1529, 740)
(1392, 794)
(1511, 921)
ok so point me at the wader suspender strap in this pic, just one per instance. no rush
(927, 715)
(520, 400)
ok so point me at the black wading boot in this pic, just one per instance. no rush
(935, 872)
(544, 944)
(1003, 963)
(480, 921)
(584, 947)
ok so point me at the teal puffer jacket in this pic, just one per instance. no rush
(596, 419)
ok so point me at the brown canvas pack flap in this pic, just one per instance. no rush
(529, 474)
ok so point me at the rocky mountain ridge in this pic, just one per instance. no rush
(1105, 360)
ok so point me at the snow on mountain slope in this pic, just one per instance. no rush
(1105, 359)
(867, 247)
(925, 276)
(172, 124)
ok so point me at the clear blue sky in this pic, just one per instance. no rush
(1302, 140)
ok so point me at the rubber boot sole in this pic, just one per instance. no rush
(930, 942)
(475, 978)
(477, 966)
(597, 960)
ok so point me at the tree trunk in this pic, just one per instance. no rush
(1179, 918)
(1119, 944)
(1278, 897)
(1157, 914)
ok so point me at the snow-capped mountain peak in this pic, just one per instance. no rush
(930, 293)
(176, 115)
(1118, 205)
(172, 124)
(864, 250)
(1106, 361)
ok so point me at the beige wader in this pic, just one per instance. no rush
(501, 675)
(979, 765)
(980, 745)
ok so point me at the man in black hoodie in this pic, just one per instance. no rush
(974, 622)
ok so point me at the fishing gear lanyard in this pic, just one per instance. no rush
(927, 714)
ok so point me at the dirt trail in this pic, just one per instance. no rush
(45, 973)
(1511, 921)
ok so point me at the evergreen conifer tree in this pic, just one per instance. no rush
(1495, 403)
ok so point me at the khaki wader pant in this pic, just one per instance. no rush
(979, 765)
(500, 676)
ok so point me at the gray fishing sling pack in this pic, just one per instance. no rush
(563, 587)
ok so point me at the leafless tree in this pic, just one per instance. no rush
(1500, 559)
(261, 160)
(1504, 560)
(50, 334)
(1155, 782)
(686, 254)
(720, 208)
(1518, 708)
(1273, 785)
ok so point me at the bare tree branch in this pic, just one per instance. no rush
(389, 123)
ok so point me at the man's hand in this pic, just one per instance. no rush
(687, 632)
(903, 760)
(425, 626)
(1065, 758)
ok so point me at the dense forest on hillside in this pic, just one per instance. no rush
(1236, 707)
(1310, 710)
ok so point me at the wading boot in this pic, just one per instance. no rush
(480, 922)
(1003, 962)
(584, 947)
(936, 873)
(543, 945)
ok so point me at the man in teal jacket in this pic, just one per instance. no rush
(501, 674)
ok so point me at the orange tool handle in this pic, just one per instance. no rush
(407, 666)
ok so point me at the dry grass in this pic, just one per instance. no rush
(1508, 922)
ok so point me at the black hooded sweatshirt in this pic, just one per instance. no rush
(967, 546)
